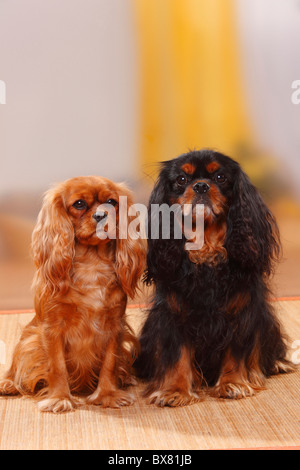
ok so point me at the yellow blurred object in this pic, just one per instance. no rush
(191, 93)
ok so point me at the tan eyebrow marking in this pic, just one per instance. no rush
(213, 166)
(188, 168)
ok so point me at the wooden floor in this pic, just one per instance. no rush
(269, 420)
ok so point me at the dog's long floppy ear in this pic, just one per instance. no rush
(252, 234)
(52, 245)
(163, 254)
(130, 249)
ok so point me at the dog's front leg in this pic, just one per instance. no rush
(58, 398)
(107, 394)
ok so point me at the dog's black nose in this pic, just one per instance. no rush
(98, 217)
(201, 187)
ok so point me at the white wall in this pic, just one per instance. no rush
(71, 91)
(269, 32)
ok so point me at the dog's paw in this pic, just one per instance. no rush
(284, 367)
(173, 398)
(234, 391)
(57, 405)
(110, 399)
(7, 387)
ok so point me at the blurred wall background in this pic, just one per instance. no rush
(112, 87)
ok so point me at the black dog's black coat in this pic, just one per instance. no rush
(202, 315)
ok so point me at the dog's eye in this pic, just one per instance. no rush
(220, 178)
(181, 180)
(113, 202)
(80, 204)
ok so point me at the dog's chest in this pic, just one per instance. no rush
(92, 278)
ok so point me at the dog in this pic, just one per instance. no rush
(210, 323)
(79, 340)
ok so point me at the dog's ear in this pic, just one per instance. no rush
(163, 254)
(130, 252)
(252, 238)
(53, 245)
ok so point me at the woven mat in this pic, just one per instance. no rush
(269, 420)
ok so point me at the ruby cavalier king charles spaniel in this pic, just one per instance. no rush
(210, 324)
(79, 340)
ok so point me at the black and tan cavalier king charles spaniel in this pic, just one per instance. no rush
(210, 323)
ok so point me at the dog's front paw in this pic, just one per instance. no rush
(57, 405)
(173, 398)
(284, 367)
(232, 390)
(7, 387)
(110, 398)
